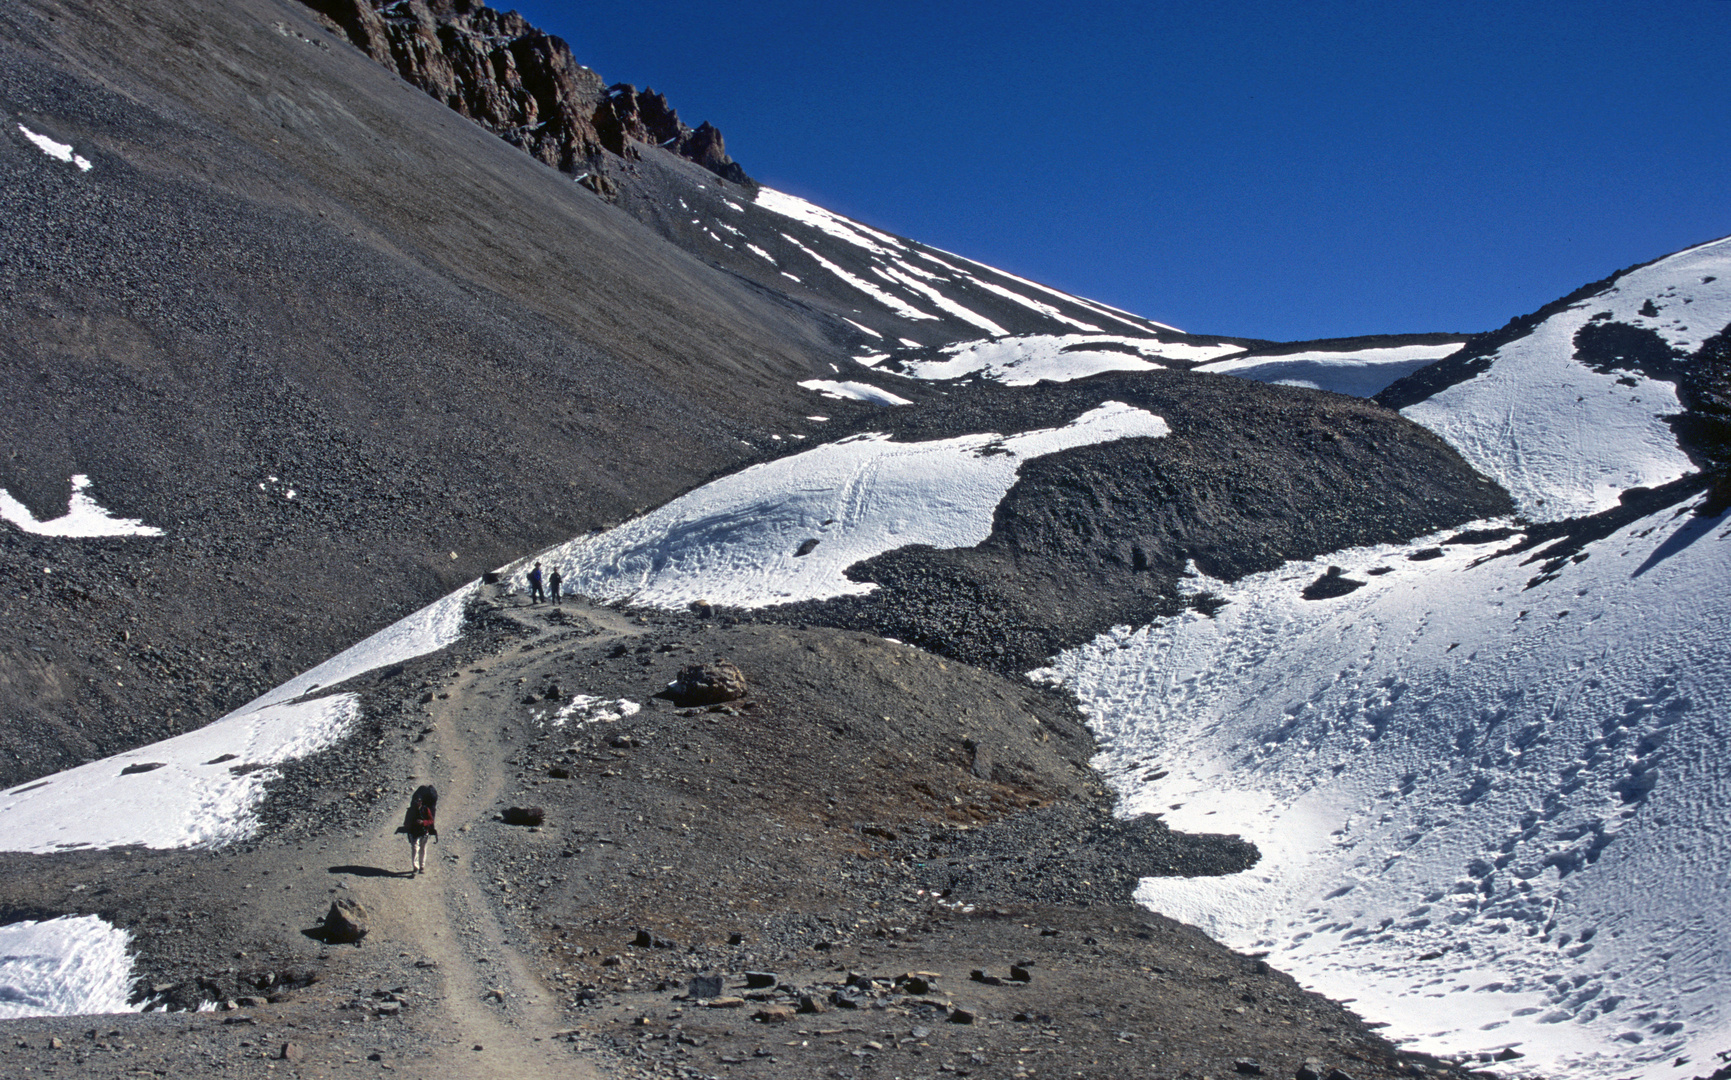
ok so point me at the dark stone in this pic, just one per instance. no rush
(143, 766)
(806, 547)
(961, 1016)
(523, 815)
(1330, 585)
(1018, 973)
(759, 980)
(706, 684)
(1248, 1067)
(704, 986)
(914, 984)
(345, 922)
(1425, 554)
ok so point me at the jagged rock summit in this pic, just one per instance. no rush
(522, 84)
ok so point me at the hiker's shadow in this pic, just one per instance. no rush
(369, 871)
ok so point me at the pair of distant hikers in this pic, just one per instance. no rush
(419, 823)
(553, 583)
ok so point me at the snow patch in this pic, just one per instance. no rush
(83, 517)
(1564, 439)
(787, 530)
(894, 303)
(196, 789)
(831, 224)
(1359, 372)
(70, 966)
(1024, 361)
(59, 151)
(854, 391)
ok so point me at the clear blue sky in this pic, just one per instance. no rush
(1281, 170)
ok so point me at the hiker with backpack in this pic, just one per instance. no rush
(535, 594)
(418, 822)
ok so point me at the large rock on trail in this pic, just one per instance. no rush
(345, 922)
(707, 684)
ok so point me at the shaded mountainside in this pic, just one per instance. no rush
(283, 273)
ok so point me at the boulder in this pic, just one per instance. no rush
(345, 922)
(704, 986)
(707, 684)
(524, 815)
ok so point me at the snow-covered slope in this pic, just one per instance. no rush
(1576, 409)
(1033, 358)
(1359, 372)
(1493, 815)
(787, 530)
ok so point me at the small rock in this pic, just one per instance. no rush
(1248, 1066)
(759, 980)
(1508, 1053)
(1023, 1018)
(524, 815)
(979, 976)
(1310, 1070)
(1018, 973)
(726, 1002)
(916, 985)
(54, 1042)
(961, 1016)
(1338, 1074)
(709, 986)
(736, 939)
(290, 1052)
(559, 772)
(345, 922)
(774, 1014)
(810, 1004)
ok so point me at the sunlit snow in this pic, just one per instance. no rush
(1495, 816)
(1565, 439)
(194, 789)
(1358, 372)
(59, 151)
(841, 390)
(739, 540)
(83, 517)
(1024, 361)
(70, 966)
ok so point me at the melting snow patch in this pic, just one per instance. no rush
(59, 151)
(1493, 807)
(71, 966)
(854, 391)
(583, 710)
(1024, 361)
(787, 530)
(1360, 373)
(195, 789)
(894, 303)
(835, 225)
(83, 517)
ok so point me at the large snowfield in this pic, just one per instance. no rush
(1491, 816)
(1358, 372)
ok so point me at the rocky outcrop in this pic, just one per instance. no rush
(522, 84)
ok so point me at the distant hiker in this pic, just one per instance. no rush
(535, 596)
(553, 584)
(418, 822)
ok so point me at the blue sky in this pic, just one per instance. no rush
(1273, 170)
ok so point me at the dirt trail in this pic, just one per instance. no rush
(499, 1017)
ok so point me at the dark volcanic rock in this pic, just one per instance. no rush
(707, 684)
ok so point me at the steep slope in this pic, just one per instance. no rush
(343, 347)
(630, 147)
(1623, 383)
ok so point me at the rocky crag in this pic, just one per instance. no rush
(522, 84)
